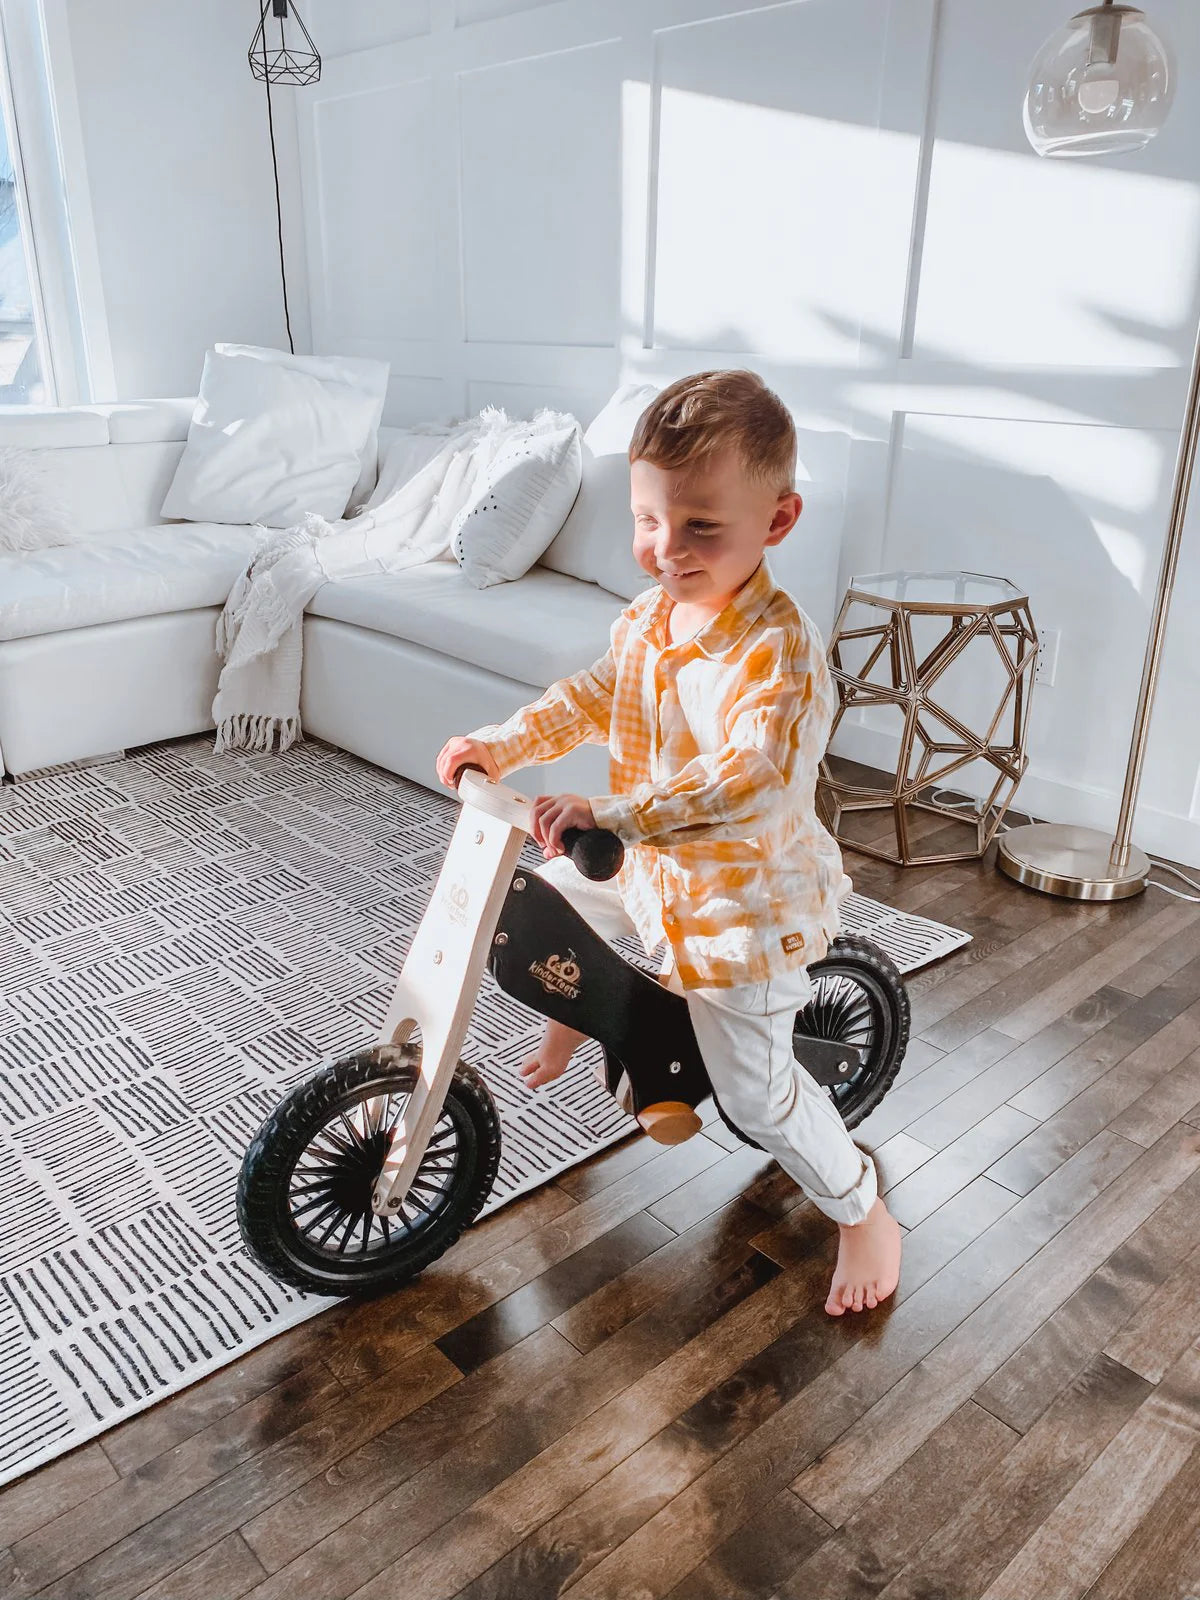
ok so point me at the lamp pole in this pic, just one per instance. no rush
(1105, 84)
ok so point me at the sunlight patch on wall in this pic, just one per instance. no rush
(1047, 263)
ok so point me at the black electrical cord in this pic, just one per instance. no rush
(275, 169)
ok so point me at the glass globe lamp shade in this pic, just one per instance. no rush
(1100, 86)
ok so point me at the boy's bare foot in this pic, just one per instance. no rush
(868, 1263)
(543, 1066)
(549, 1060)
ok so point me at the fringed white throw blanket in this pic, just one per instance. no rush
(260, 631)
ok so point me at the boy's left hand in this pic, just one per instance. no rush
(552, 814)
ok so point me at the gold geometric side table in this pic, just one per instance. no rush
(981, 614)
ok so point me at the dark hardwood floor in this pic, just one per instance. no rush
(624, 1385)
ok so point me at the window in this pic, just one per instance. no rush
(22, 362)
(54, 345)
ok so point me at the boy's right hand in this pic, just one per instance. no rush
(459, 752)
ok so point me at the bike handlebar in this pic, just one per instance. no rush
(597, 852)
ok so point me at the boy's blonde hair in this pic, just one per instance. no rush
(706, 412)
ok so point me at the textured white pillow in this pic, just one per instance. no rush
(274, 436)
(526, 492)
(596, 541)
(32, 513)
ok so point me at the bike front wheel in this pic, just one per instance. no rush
(304, 1192)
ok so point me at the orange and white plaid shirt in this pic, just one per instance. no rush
(715, 744)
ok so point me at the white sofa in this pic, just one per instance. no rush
(107, 644)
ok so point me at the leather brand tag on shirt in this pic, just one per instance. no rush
(792, 941)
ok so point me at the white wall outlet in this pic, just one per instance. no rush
(1047, 657)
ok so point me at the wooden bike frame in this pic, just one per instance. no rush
(439, 981)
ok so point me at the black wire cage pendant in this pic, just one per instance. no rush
(284, 60)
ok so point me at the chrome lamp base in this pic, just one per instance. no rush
(1064, 859)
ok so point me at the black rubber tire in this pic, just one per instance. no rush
(264, 1216)
(876, 970)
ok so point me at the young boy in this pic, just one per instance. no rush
(716, 703)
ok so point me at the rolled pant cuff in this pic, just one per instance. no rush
(854, 1205)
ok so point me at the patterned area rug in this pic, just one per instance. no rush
(183, 936)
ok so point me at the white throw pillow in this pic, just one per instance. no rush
(32, 514)
(596, 541)
(274, 436)
(526, 492)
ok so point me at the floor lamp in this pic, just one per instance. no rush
(1103, 85)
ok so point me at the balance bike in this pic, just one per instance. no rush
(371, 1169)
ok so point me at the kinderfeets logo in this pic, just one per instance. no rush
(558, 975)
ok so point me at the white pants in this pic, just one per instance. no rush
(745, 1037)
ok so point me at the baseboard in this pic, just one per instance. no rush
(1158, 833)
(67, 766)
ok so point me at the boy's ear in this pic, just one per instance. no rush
(786, 514)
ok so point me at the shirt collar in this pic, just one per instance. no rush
(722, 632)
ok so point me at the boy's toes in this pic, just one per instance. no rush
(870, 1299)
(834, 1304)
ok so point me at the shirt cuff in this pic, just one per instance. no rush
(505, 750)
(615, 812)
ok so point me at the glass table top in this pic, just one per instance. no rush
(939, 590)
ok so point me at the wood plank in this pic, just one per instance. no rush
(227, 1570)
(951, 1169)
(608, 1166)
(896, 1158)
(721, 1240)
(980, 1342)
(33, 1501)
(184, 1415)
(1011, 1496)
(299, 1520)
(1161, 1558)
(1152, 1113)
(1154, 968)
(502, 1325)
(377, 1334)
(1108, 962)
(1028, 1162)
(1021, 1389)
(562, 1514)
(900, 1518)
(1073, 1545)
(1075, 1031)
(1052, 958)
(905, 1102)
(754, 1560)
(713, 1188)
(1164, 1326)
(126, 1565)
(1165, 1011)
(167, 1479)
(359, 1549)
(927, 1248)
(671, 1542)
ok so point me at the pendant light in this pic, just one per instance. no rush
(1100, 86)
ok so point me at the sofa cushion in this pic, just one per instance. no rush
(111, 577)
(539, 628)
(147, 421)
(52, 427)
(596, 541)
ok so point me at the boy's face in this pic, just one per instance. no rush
(701, 530)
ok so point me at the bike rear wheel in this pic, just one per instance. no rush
(858, 999)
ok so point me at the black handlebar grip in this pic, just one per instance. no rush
(597, 852)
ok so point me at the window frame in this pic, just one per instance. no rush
(41, 110)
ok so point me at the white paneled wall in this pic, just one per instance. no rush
(525, 203)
